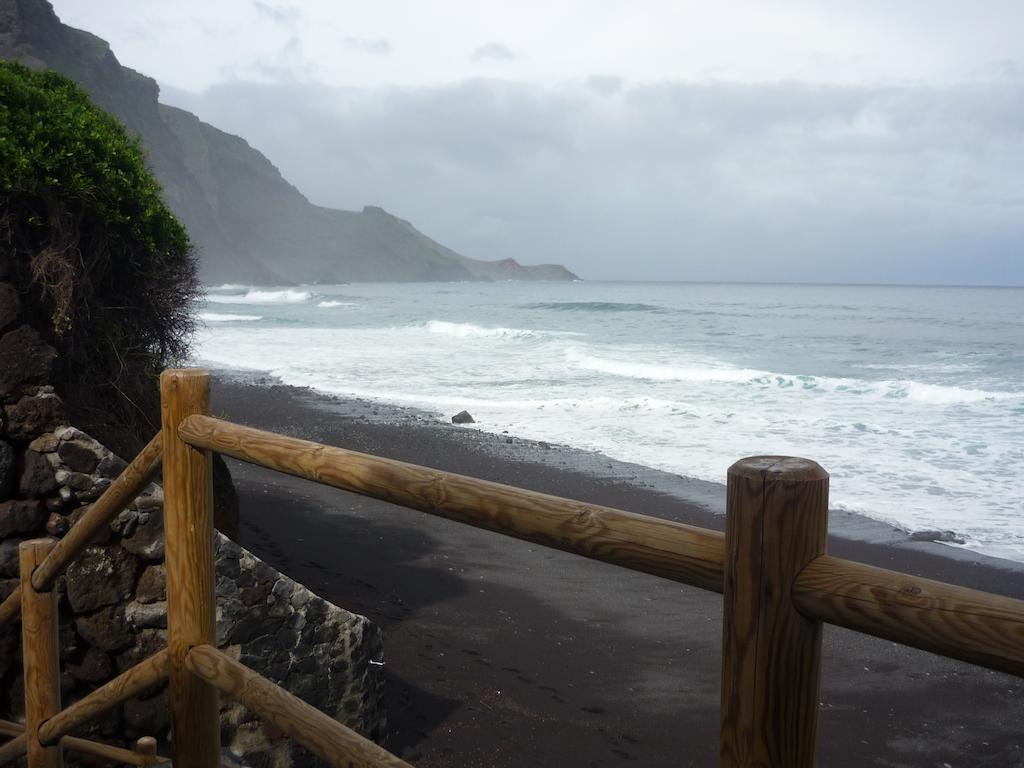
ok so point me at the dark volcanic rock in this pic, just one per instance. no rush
(152, 584)
(79, 456)
(106, 629)
(463, 417)
(7, 470)
(25, 360)
(944, 537)
(101, 576)
(20, 516)
(10, 305)
(147, 538)
(37, 478)
(94, 667)
(33, 414)
(111, 466)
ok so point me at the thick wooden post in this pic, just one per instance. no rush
(41, 655)
(776, 523)
(188, 532)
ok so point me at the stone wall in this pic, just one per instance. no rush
(113, 609)
(114, 612)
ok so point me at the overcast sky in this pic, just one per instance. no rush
(851, 142)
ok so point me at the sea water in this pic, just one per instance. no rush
(911, 397)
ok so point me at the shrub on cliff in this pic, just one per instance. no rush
(102, 263)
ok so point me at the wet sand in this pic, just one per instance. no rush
(502, 653)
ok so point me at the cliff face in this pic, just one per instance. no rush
(249, 223)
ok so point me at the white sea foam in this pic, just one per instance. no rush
(937, 394)
(331, 303)
(659, 372)
(218, 317)
(471, 331)
(921, 443)
(286, 296)
(228, 287)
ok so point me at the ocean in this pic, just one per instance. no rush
(911, 397)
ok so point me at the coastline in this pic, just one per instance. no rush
(502, 653)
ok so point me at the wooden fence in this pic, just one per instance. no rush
(778, 583)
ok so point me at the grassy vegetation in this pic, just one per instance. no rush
(104, 263)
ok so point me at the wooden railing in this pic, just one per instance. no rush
(779, 587)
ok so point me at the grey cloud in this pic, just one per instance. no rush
(669, 181)
(280, 14)
(494, 52)
(379, 46)
(607, 85)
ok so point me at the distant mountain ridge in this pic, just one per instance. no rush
(249, 223)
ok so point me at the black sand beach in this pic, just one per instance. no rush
(502, 653)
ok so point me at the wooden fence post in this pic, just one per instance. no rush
(188, 533)
(40, 653)
(776, 522)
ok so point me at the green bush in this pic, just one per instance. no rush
(104, 263)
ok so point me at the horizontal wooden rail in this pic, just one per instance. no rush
(977, 627)
(127, 756)
(675, 551)
(129, 683)
(10, 608)
(340, 746)
(122, 492)
(110, 752)
(13, 749)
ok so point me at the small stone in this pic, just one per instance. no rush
(94, 491)
(463, 417)
(68, 433)
(78, 481)
(21, 516)
(46, 443)
(37, 478)
(34, 414)
(152, 585)
(79, 455)
(147, 541)
(146, 615)
(111, 466)
(943, 537)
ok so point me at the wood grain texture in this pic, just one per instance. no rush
(671, 550)
(40, 654)
(144, 754)
(977, 627)
(110, 752)
(340, 746)
(188, 542)
(129, 683)
(146, 746)
(11, 729)
(10, 608)
(776, 522)
(122, 492)
(13, 749)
